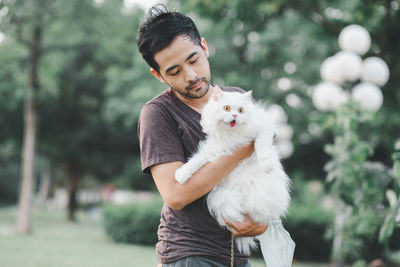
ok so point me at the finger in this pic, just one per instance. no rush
(235, 225)
(236, 234)
(233, 231)
(229, 224)
(240, 228)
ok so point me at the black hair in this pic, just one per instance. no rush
(160, 29)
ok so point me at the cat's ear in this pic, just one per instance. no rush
(249, 94)
(216, 95)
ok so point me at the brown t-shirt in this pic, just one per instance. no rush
(169, 130)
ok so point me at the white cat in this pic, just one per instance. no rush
(258, 186)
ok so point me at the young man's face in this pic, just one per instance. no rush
(184, 67)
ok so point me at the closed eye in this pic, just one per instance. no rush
(194, 61)
(175, 73)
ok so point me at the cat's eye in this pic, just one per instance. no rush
(227, 108)
(240, 110)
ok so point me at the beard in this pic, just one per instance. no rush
(194, 94)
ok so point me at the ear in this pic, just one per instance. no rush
(204, 46)
(249, 94)
(216, 95)
(157, 75)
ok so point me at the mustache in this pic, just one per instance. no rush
(194, 82)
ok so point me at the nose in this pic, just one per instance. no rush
(234, 115)
(190, 74)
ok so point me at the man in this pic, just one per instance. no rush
(169, 132)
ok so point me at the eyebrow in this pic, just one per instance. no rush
(174, 66)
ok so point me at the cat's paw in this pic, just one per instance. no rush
(182, 175)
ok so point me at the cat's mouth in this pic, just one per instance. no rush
(232, 123)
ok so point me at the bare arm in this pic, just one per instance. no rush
(177, 195)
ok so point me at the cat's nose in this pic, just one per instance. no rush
(234, 115)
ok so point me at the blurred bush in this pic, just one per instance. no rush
(134, 223)
(309, 222)
(9, 173)
(138, 223)
(9, 184)
(308, 225)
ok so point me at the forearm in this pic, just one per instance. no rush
(205, 179)
(177, 195)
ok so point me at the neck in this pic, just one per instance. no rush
(196, 103)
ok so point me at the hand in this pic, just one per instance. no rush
(245, 151)
(246, 228)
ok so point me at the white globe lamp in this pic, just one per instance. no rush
(350, 65)
(368, 95)
(330, 70)
(355, 38)
(328, 96)
(375, 71)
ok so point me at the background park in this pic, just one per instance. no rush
(72, 84)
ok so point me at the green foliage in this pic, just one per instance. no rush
(351, 176)
(92, 85)
(396, 164)
(359, 187)
(310, 212)
(303, 222)
(393, 196)
(135, 223)
(9, 174)
(360, 263)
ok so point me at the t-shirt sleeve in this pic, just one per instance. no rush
(158, 137)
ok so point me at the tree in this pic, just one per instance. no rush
(89, 119)
(28, 25)
(81, 132)
(92, 86)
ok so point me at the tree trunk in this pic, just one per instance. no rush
(24, 220)
(74, 173)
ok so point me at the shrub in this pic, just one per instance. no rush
(134, 223)
(10, 173)
(308, 226)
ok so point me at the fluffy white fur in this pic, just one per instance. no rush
(258, 186)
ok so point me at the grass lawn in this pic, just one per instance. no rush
(54, 242)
